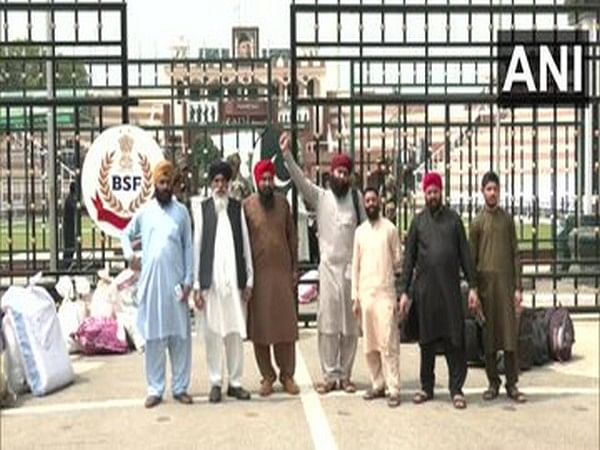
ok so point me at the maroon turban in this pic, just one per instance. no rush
(262, 167)
(432, 179)
(341, 160)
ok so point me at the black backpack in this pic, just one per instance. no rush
(525, 344)
(474, 351)
(540, 337)
(356, 207)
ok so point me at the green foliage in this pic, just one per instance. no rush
(205, 153)
(20, 73)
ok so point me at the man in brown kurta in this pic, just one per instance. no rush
(272, 317)
(496, 258)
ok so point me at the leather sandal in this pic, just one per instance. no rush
(491, 392)
(421, 397)
(372, 394)
(514, 394)
(326, 387)
(459, 402)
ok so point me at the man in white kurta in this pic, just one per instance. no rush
(164, 226)
(376, 259)
(223, 279)
(338, 215)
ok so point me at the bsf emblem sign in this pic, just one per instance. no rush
(117, 176)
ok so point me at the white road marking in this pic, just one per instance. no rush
(318, 424)
(539, 390)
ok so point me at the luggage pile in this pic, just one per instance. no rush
(102, 322)
(36, 356)
(36, 339)
(545, 334)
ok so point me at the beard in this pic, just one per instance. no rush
(267, 198)
(433, 204)
(491, 203)
(373, 213)
(220, 201)
(339, 188)
(163, 196)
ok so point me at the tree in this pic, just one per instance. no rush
(19, 73)
(205, 153)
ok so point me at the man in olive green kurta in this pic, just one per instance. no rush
(496, 257)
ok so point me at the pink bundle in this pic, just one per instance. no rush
(97, 336)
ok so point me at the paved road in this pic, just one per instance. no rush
(103, 410)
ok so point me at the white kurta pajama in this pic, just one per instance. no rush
(223, 318)
(336, 222)
(163, 319)
(377, 257)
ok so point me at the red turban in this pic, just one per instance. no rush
(262, 167)
(432, 179)
(341, 160)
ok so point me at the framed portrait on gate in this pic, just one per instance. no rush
(244, 42)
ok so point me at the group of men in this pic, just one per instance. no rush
(240, 266)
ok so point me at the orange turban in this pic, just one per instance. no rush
(263, 166)
(164, 168)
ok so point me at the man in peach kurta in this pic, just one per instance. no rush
(376, 259)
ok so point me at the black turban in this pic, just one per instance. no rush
(219, 168)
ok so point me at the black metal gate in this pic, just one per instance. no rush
(65, 72)
(417, 92)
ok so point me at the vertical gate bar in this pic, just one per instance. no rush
(293, 109)
(492, 117)
(124, 64)
(428, 138)
(535, 230)
(77, 155)
(10, 208)
(30, 142)
(470, 128)
(554, 181)
(51, 140)
(595, 135)
(26, 127)
(448, 180)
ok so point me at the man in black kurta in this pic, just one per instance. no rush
(436, 249)
(496, 258)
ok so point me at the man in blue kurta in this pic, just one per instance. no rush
(164, 227)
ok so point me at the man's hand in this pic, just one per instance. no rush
(198, 300)
(135, 263)
(284, 143)
(356, 309)
(247, 294)
(186, 293)
(518, 301)
(473, 301)
(404, 302)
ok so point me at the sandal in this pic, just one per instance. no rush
(324, 388)
(459, 402)
(348, 386)
(516, 395)
(491, 392)
(372, 394)
(421, 397)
